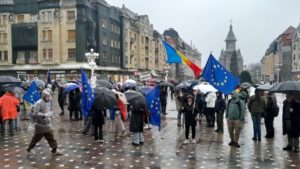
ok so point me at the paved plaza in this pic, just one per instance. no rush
(161, 149)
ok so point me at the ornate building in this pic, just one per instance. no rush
(296, 54)
(225, 57)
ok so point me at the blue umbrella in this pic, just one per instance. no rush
(70, 86)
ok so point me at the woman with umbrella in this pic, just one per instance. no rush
(291, 122)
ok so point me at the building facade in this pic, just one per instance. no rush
(225, 57)
(41, 35)
(296, 54)
(269, 61)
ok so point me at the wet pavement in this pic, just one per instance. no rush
(161, 149)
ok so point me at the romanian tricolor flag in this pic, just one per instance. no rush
(175, 56)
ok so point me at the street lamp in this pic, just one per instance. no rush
(91, 56)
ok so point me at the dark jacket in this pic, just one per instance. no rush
(189, 114)
(291, 118)
(97, 116)
(220, 105)
(256, 105)
(269, 108)
(137, 120)
(61, 95)
(78, 96)
(163, 96)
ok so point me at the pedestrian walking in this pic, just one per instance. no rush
(291, 122)
(178, 102)
(235, 112)
(257, 107)
(210, 106)
(220, 107)
(163, 99)
(117, 123)
(137, 124)
(272, 111)
(41, 115)
(190, 112)
(72, 107)
(8, 111)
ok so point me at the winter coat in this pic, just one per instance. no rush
(269, 108)
(97, 116)
(41, 116)
(256, 105)
(178, 102)
(189, 114)
(211, 100)
(137, 120)
(200, 101)
(61, 96)
(220, 105)
(163, 97)
(291, 118)
(8, 106)
(78, 100)
(235, 110)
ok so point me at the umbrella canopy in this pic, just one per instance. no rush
(246, 85)
(136, 100)
(18, 91)
(130, 81)
(205, 88)
(40, 84)
(104, 98)
(25, 84)
(286, 87)
(166, 83)
(9, 79)
(187, 84)
(104, 83)
(265, 87)
(70, 86)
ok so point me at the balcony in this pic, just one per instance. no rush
(33, 61)
(20, 61)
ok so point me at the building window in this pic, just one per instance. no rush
(294, 58)
(47, 35)
(71, 15)
(3, 19)
(104, 22)
(33, 18)
(71, 54)
(104, 57)
(295, 47)
(44, 54)
(0, 55)
(112, 43)
(5, 56)
(20, 18)
(21, 55)
(33, 55)
(104, 40)
(50, 54)
(71, 35)
(49, 16)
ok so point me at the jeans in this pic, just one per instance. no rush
(11, 126)
(187, 130)
(256, 119)
(138, 137)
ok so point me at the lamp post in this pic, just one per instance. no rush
(91, 56)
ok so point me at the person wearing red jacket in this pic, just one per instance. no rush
(8, 110)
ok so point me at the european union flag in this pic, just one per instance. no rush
(88, 95)
(153, 103)
(33, 94)
(219, 77)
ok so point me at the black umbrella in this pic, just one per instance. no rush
(286, 87)
(104, 98)
(246, 85)
(265, 87)
(18, 91)
(136, 100)
(9, 79)
(104, 83)
(166, 83)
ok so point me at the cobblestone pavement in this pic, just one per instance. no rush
(161, 149)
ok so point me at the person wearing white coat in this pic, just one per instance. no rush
(210, 106)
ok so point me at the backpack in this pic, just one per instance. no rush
(239, 105)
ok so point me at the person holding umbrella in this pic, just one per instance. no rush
(291, 122)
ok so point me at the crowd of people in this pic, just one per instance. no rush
(192, 106)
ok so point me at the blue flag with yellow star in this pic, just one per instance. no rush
(88, 95)
(33, 94)
(219, 77)
(153, 103)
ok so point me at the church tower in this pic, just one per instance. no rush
(230, 40)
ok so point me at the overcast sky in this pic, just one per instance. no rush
(256, 23)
